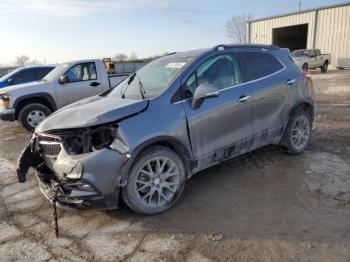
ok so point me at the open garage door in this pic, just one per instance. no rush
(292, 37)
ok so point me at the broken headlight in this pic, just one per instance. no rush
(88, 140)
(102, 137)
(106, 137)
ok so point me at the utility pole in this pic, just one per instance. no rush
(299, 6)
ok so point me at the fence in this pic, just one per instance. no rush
(128, 67)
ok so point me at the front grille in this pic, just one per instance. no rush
(50, 145)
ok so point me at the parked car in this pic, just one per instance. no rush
(176, 116)
(30, 103)
(311, 59)
(25, 75)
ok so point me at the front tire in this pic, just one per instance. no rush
(32, 114)
(324, 68)
(156, 181)
(297, 134)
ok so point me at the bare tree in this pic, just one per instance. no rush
(34, 62)
(25, 60)
(22, 60)
(133, 56)
(121, 57)
(236, 28)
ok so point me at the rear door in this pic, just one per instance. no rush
(313, 62)
(271, 89)
(319, 59)
(82, 82)
(221, 121)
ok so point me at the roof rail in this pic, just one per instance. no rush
(224, 47)
(172, 53)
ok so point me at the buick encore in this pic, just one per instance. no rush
(176, 116)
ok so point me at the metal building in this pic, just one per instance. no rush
(326, 28)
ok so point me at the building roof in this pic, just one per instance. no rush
(302, 11)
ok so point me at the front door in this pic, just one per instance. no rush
(82, 82)
(224, 120)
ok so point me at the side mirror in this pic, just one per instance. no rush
(10, 81)
(63, 80)
(204, 91)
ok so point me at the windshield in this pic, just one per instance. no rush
(6, 76)
(154, 78)
(56, 72)
(300, 53)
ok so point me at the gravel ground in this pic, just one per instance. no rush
(263, 206)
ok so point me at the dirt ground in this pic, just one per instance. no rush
(268, 205)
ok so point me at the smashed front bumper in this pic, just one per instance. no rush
(85, 181)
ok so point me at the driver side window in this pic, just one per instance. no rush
(222, 71)
(82, 72)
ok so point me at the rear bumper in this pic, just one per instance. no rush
(7, 114)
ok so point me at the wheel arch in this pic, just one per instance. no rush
(39, 98)
(306, 105)
(166, 141)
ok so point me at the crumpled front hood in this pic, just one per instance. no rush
(91, 111)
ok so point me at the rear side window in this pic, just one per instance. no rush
(318, 52)
(41, 72)
(26, 75)
(261, 65)
(222, 71)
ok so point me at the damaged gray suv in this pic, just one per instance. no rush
(178, 115)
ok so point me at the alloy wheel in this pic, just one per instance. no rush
(300, 132)
(157, 181)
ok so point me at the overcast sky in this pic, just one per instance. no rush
(60, 30)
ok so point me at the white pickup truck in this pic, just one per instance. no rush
(69, 82)
(311, 59)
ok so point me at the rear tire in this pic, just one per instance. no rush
(324, 68)
(297, 134)
(32, 114)
(156, 181)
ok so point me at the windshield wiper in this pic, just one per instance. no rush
(142, 90)
(131, 78)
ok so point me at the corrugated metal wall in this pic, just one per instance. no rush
(333, 34)
(332, 31)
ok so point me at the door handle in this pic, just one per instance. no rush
(95, 84)
(243, 98)
(290, 81)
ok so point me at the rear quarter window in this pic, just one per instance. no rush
(260, 65)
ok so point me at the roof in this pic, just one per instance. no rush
(229, 46)
(300, 12)
(198, 52)
(191, 53)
